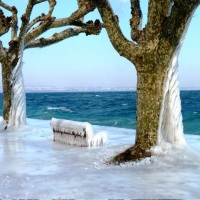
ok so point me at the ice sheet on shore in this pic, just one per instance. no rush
(33, 166)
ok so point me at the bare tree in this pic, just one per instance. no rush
(154, 52)
(29, 36)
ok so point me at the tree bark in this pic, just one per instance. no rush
(149, 101)
(6, 78)
(149, 98)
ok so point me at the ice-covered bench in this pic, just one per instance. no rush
(77, 133)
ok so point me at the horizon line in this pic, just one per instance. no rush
(89, 89)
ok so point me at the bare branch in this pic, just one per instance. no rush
(5, 6)
(136, 20)
(5, 23)
(39, 1)
(177, 23)
(35, 21)
(2, 51)
(52, 4)
(89, 28)
(119, 42)
(14, 21)
(57, 37)
(44, 26)
(170, 8)
(157, 14)
(82, 11)
(81, 4)
(25, 19)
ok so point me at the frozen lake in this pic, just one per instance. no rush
(33, 166)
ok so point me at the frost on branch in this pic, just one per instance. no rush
(77, 133)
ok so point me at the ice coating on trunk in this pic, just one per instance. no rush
(76, 133)
(3, 124)
(18, 99)
(170, 129)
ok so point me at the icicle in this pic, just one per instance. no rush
(77, 133)
(170, 129)
(100, 139)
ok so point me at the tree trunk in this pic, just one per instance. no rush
(6, 77)
(149, 100)
(159, 118)
(14, 107)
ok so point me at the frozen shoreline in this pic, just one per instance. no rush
(33, 166)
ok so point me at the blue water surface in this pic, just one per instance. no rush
(117, 109)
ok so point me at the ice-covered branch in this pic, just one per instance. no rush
(136, 20)
(88, 29)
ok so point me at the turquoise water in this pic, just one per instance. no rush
(116, 109)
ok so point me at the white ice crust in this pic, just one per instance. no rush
(18, 100)
(2, 124)
(77, 133)
(170, 130)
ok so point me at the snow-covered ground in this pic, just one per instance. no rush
(33, 166)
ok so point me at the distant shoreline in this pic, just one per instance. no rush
(90, 89)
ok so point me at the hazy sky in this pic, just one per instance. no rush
(91, 60)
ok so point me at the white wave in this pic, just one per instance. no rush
(59, 108)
